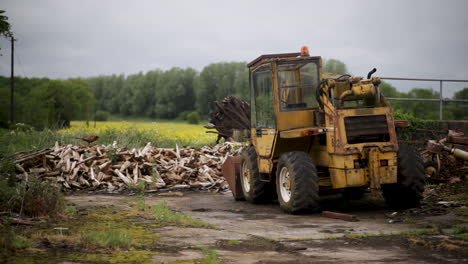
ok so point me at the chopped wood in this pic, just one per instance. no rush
(123, 177)
(87, 159)
(178, 168)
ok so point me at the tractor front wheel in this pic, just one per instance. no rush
(254, 190)
(407, 192)
(297, 182)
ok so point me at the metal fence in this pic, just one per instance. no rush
(441, 99)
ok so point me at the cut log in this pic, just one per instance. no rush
(123, 177)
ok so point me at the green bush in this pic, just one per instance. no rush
(193, 117)
(409, 133)
(31, 198)
(183, 115)
(101, 115)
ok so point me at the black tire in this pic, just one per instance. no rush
(407, 192)
(353, 193)
(303, 182)
(254, 190)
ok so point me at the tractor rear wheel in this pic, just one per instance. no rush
(254, 190)
(297, 182)
(407, 192)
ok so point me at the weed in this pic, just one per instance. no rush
(139, 187)
(113, 238)
(35, 197)
(165, 216)
(211, 256)
(112, 154)
(233, 242)
(11, 240)
(141, 203)
(419, 232)
(70, 209)
(32, 197)
(363, 235)
(460, 230)
(463, 211)
(20, 242)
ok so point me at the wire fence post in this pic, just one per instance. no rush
(441, 103)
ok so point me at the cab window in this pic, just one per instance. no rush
(297, 82)
(263, 104)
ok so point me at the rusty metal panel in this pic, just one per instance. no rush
(457, 140)
(401, 123)
(273, 56)
(231, 172)
(341, 216)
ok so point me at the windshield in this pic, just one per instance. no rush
(297, 83)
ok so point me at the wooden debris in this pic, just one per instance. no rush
(112, 169)
(231, 114)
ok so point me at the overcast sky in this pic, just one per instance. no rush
(83, 38)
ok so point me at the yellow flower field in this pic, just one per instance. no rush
(139, 133)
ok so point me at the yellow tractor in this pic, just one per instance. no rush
(314, 132)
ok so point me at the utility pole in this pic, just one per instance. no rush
(12, 83)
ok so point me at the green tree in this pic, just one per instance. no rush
(219, 80)
(335, 66)
(459, 110)
(5, 27)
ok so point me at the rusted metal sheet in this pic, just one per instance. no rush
(231, 172)
(270, 56)
(401, 123)
(341, 216)
(457, 140)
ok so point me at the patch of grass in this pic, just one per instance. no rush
(132, 256)
(211, 256)
(139, 187)
(418, 232)
(165, 216)
(130, 134)
(233, 242)
(414, 232)
(460, 230)
(70, 209)
(363, 235)
(56, 238)
(20, 242)
(463, 211)
(141, 203)
(113, 238)
(462, 236)
(11, 239)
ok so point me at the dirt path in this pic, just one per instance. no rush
(246, 233)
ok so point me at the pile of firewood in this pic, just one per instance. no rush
(113, 169)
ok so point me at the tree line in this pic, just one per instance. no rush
(174, 93)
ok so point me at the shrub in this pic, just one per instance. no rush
(409, 133)
(101, 115)
(33, 198)
(183, 115)
(193, 117)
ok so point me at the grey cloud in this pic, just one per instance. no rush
(61, 39)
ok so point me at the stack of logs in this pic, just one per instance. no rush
(113, 169)
(231, 114)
